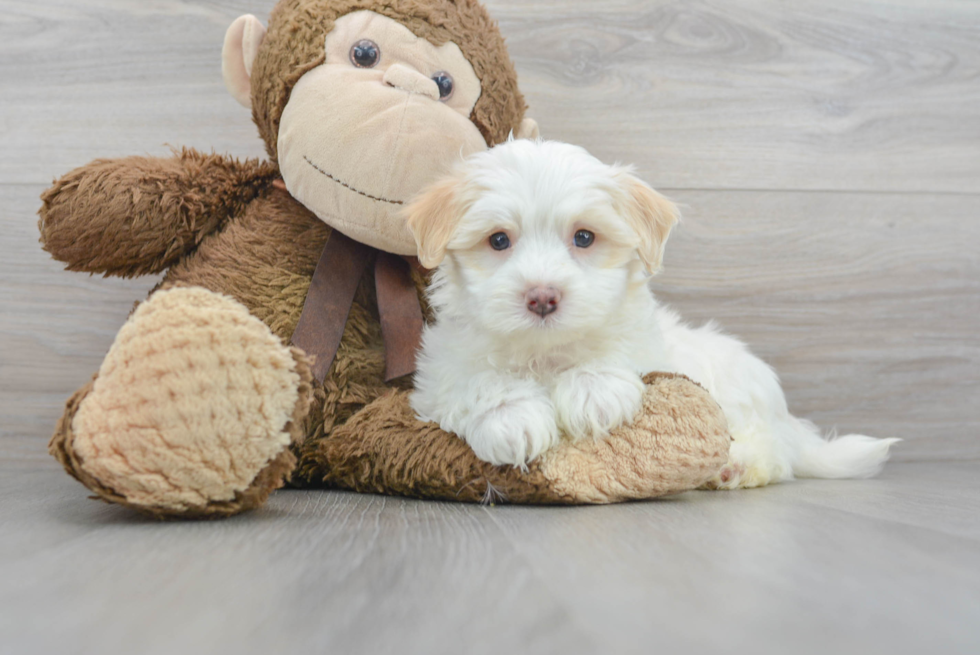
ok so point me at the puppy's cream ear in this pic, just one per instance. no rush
(652, 216)
(432, 217)
(528, 129)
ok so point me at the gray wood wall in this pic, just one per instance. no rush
(827, 156)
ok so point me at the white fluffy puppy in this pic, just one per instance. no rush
(545, 322)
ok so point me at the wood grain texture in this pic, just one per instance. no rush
(886, 565)
(82, 79)
(868, 305)
(753, 94)
(760, 94)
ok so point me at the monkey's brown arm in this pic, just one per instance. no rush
(138, 215)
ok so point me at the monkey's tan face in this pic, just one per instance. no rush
(386, 114)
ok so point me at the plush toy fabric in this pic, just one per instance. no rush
(206, 401)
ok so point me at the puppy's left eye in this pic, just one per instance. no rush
(499, 241)
(584, 238)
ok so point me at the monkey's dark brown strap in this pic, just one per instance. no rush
(321, 325)
(400, 312)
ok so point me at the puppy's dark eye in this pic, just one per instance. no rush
(584, 238)
(365, 54)
(445, 83)
(499, 241)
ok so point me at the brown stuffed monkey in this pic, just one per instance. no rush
(278, 345)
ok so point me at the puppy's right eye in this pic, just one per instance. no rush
(584, 238)
(499, 241)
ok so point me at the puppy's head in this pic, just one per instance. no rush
(534, 235)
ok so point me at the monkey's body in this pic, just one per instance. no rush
(202, 407)
(264, 258)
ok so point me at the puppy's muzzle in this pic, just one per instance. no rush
(542, 300)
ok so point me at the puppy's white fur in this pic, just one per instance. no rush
(510, 381)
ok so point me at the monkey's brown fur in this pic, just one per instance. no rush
(139, 215)
(221, 224)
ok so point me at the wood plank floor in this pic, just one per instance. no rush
(886, 565)
(827, 158)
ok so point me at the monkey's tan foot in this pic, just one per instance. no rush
(192, 413)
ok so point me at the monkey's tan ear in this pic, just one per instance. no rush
(242, 41)
(652, 216)
(433, 217)
(528, 129)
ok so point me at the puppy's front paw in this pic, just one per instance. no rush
(514, 433)
(590, 403)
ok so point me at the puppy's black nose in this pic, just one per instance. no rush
(542, 300)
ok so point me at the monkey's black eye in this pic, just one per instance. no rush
(499, 241)
(365, 54)
(584, 238)
(445, 83)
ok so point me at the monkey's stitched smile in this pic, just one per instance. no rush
(347, 186)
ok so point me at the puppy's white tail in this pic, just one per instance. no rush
(848, 456)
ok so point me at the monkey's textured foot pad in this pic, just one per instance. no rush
(192, 412)
(678, 442)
